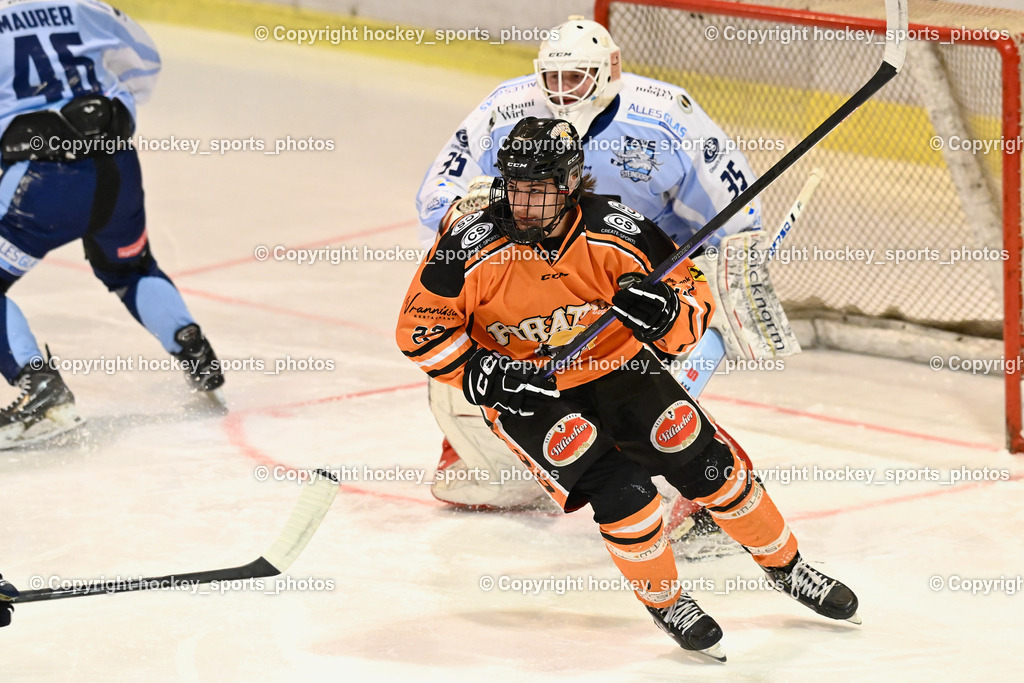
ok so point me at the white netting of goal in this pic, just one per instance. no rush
(903, 228)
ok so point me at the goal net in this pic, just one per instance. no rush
(916, 229)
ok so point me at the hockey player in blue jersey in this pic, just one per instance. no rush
(71, 75)
(647, 143)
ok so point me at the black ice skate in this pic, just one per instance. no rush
(809, 587)
(690, 627)
(45, 408)
(202, 372)
(198, 359)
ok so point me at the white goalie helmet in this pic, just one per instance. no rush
(578, 70)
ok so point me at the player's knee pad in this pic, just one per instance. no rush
(704, 474)
(121, 277)
(742, 508)
(616, 488)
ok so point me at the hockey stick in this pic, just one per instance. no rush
(895, 53)
(313, 504)
(703, 361)
(806, 192)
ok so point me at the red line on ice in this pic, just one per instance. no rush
(341, 322)
(855, 423)
(818, 514)
(316, 243)
(234, 427)
(235, 301)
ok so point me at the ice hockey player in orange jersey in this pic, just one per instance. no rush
(507, 284)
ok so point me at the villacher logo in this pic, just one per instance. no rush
(569, 439)
(676, 428)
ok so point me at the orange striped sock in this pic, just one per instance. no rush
(641, 552)
(747, 513)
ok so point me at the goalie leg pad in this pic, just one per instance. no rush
(749, 314)
(486, 473)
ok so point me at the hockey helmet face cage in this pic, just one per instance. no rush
(541, 166)
(578, 70)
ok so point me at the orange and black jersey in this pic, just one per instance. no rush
(477, 289)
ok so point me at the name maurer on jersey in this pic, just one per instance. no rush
(51, 16)
(543, 329)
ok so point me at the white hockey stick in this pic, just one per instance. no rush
(806, 192)
(702, 362)
(313, 504)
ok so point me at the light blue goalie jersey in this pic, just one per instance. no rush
(658, 151)
(52, 52)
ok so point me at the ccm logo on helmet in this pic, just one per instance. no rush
(676, 428)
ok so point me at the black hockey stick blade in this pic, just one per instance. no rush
(313, 504)
(895, 54)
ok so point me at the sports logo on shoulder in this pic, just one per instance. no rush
(684, 103)
(461, 224)
(569, 439)
(436, 203)
(478, 234)
(676, 428)
(711, 149)
(637, 159)
(622, 223)
(632, 213)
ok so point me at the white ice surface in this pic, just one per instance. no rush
(155, 490)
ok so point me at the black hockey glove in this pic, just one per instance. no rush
(499, 382)
(7, 591)
(648, 310)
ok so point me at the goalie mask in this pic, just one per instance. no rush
(541, 166)
(578, 70)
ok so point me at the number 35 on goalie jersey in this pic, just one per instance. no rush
(477, 289)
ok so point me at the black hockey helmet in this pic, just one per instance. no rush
(537, 150)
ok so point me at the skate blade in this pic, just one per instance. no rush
(207, 403)
(58, 420)
(217, 399)
(855, 619)
(715, 652)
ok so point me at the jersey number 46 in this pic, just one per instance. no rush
(29, 52)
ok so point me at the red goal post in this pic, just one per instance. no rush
(931, 167)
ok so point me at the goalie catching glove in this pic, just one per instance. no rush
(478, 195)
(496, 381)
(649, 310)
